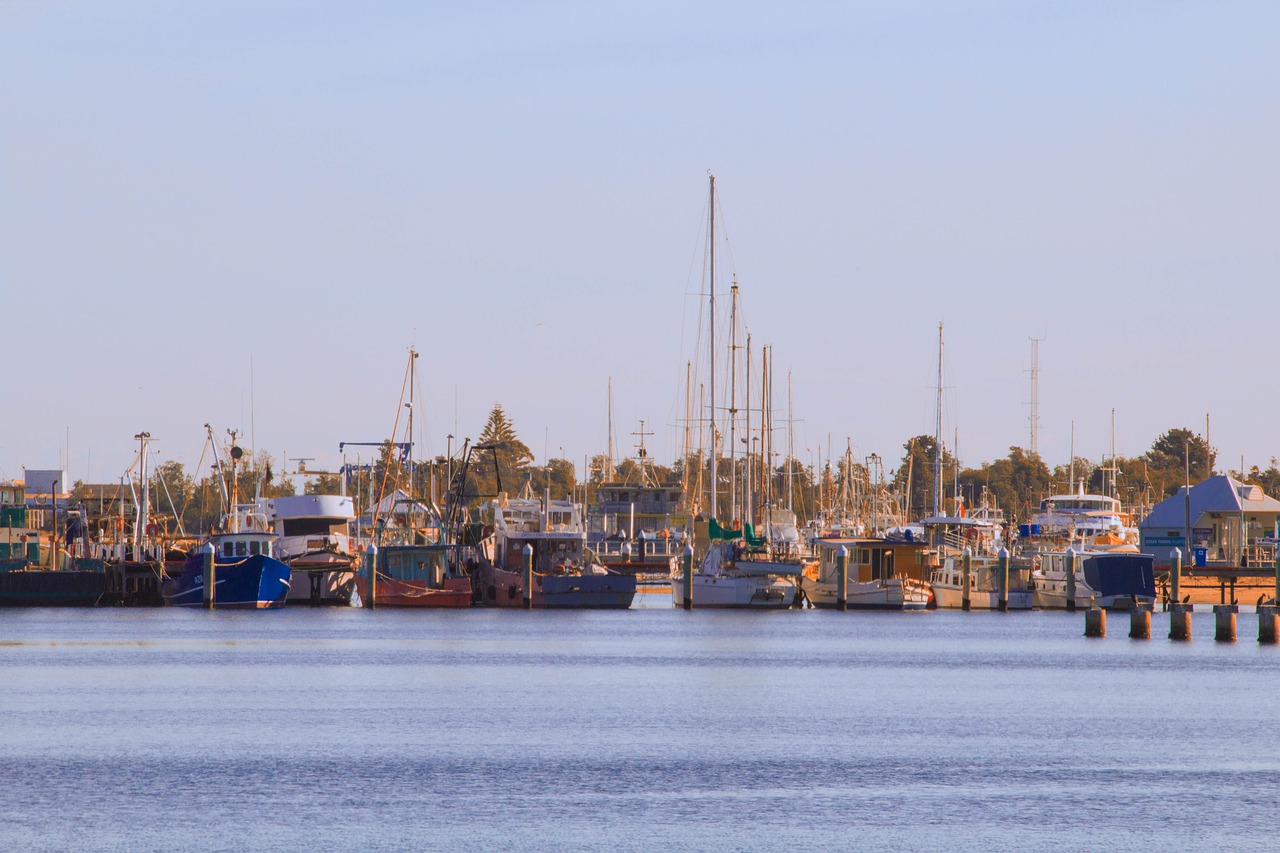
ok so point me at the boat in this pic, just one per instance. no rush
(874, 582)
(312, 538)
(1112, 580)
(563, 575)
(725, 578)
(246, 573)
(1088, 522)
(982, 534)
(435, 575)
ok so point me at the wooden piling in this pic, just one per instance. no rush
(1095, 622)
(1180, 621)
(1140, 623)
(371, 560)
(210, 576)
(842, 578)
(1268, 624)
(1175, 577)
(528, 576)
(1224, 622)
(688, 577)
(966, 588)
(1070, 572)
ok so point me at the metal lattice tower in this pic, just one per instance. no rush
(1034, 416)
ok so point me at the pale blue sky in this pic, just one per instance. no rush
(520, 189)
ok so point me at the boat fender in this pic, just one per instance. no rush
(512, 591)
(492, 592)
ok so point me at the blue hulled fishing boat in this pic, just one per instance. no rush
(246, 575)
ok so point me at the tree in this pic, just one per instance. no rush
(1015, 484)
(1167, 460)
(514, 456)
(915, 474)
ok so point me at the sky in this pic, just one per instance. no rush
(247, 213)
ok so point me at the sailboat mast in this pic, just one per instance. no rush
(711, 239)
(733, 402)
(748, 504)
(609, 461)
(413, 357)
(791, 447)
(688, 415)
(937, 437)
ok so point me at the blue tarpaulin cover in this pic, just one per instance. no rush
(1121, 574)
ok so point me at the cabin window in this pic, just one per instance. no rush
(255, 547)
(227, 549)
(864, 556)
(242, 549)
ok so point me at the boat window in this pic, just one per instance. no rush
(226, 549)
(241, 549)
(255, 547)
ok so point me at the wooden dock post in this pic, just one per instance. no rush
(210, 576)
(1224, 622)
(528, 576)
(1268, 624)
(966, 584)
(371, 561)
(1139, 622)
(1070, 572)
(688, 577)
(1002, 602)
(842, 578)
(1180, 621)
(1095, 622)
(1175, 578)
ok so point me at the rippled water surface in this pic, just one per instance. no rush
(651, 729)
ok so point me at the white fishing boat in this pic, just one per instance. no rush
(725, 580)
(1112, 580)
(312, 538)
(874, 581)
(982, 534)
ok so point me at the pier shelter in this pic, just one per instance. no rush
(1232, 524)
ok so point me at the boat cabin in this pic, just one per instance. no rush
(873, 559)
(234, 547)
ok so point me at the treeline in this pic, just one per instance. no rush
(1014, 484)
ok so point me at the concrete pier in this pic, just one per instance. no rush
(1224, 622)
(1140, 623)
(1180, 621)
(1268, 624)
(1095, 622)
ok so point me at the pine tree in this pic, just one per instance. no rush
(514, 456)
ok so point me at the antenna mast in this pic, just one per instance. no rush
(711, 239)
(1034, 417)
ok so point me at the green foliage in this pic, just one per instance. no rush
(1015, 484)
(915, 474)
(513, 455)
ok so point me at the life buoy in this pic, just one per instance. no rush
(971, 534)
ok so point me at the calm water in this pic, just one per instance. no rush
(651, 729)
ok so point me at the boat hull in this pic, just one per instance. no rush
(500, 588)
(453, 592)
(255, 583)
(952, 598)
(732, 592)
(890, 594)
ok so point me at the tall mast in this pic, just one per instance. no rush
(413, 357)
(688, 415)
(937, 436)
(733, 401)
(711, 239)
(791, 447)
(608, 473)
(748, 503)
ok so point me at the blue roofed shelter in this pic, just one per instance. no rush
(1232, 524)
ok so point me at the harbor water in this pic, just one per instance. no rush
(650, 729)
